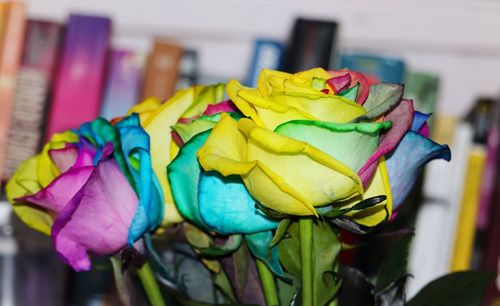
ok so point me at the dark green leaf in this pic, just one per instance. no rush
(326, 247)
(351, 226)
(222, 282)
(381, 99)
(356, 289)
(231, 245)
(339, 211)
(393, 267)
(280, 231)
(121, 286)
(455, 289)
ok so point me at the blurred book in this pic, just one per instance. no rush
(80, 77)
(312, 44)
(268, 54)
(381, 68)
(481, 118)
(123, 83)
(12, 26)
(188, 69)
(31, 96)
(423, 89)
(162, 70)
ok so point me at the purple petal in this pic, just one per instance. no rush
(64, 158)
(61, 190)
(339, 83)
(222, 107)
(419, 120)
(97, 219)
(401, 118)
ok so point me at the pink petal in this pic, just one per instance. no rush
(97, 219)
(356, 78)
(86, 154)
(401, 118)
(61, 190)
(340, 82)
(64, 158)
(222, 107)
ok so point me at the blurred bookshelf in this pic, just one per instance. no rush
(447, 52)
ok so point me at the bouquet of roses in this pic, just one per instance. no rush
(267, 176)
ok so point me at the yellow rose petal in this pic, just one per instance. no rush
(379, 185)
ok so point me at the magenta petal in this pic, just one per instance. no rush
(86, 154)
(401, 118)
(424, 130)
(97, 219)
(340, 83)
(61, 190)
(222, 107)
(64, 158)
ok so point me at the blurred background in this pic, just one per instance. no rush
(63, 62)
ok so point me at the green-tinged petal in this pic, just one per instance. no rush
(337, 140)
(204, 96)
(258, 244)
(381, 99)
(350, 93)
(273, 167)
(25, 182)
(379, 185)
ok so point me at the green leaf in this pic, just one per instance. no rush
(280, 231)
(382, 98)
(455, 289)
(121, 286)
(326, 248)
(196, 237)
(339, 211)
(231, 245)
(222, 281)
(393, 267)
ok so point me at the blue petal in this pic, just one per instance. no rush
(406, 162)
(227, 207)
(419, 119)
(184, 175)
(135, 146)
(258, 244)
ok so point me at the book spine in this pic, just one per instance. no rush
(466, 227)
(123, 83)
(80, 76)
(10, 55)
(31, 94)
(266, 54)
(384, 69)
(162, 70)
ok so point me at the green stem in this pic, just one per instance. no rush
(150, 285)
(268, 284)
(306, 250)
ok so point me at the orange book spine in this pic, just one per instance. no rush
(162, 70)
(13, 25)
